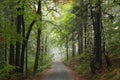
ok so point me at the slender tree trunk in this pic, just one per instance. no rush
(79, 44)
(2, 57)
(5, 53)
(73, 45)
(67, 56)
(38, 39)
(23, 27)
(46, 42)
(37, 52)
(81, 38)
(12, 49)
(26, 61)
(23, 44)
(18, 44)
(11, 56)
(73, 50)
(85, 32)
(109, 64)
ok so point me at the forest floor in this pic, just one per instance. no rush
(59, 71)
(105, 73)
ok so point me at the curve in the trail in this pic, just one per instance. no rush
(58, 72)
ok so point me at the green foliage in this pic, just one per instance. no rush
(84, 58)
(111, 75)
(114, 47)
(5, 72)
(45, 62)
(67, 19)
(80, 64)
(111, 23)
(31, 61)
(83, 69)
(113, 36)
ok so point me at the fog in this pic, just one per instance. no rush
(57, 54)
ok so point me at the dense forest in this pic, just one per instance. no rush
(86, 34)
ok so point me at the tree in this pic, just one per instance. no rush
(37, 52)
(12, 51)
(38, 39)
(18, 29)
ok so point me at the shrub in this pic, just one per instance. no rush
(111, 75)
(83, 69)
(45, 62)
(5, 72)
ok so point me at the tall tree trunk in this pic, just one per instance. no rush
(67, 56)
(5, 53)
(109, 64)
(11, 56)
(98, 22)
(2, 53)
(23, 35)
(85, 32)
(12, 51)
(26, 61)
(79, 44)
(96, 17)
(37, 52)
(38, 39)
(81, 38)
(18, 44)
(73, 45)
(46, 42)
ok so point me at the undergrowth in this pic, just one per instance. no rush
(7, 72)
(81, 65)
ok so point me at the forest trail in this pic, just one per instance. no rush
(58, 72)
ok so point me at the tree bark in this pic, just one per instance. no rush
(81, 38)
(26, 61)
(98, 21)
(79, 45)
(96, 17)
(109, 64)
(85, 32)
(37, 52)
(46, 42)
(73, 45)
(11, 55)
(38, 39)
(67, 56)
(18, 44)
(5, 53)
(23, 44)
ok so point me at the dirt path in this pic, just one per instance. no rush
(59, 71)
